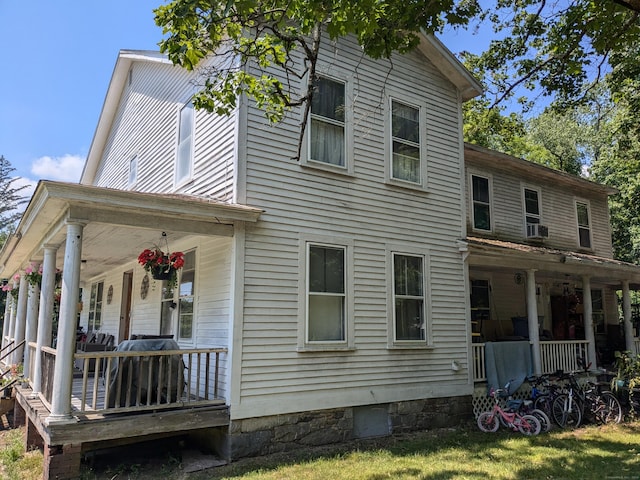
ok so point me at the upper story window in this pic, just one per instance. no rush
(95, 307)
(409, 297)
(326, 293)
(405, 143)
(481, 202)
(584, 224)
(184, 153)
(531, 206)
(133, 172)
(328, 123)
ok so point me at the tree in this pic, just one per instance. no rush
(10, 199)
(271, 35)
(561, 47)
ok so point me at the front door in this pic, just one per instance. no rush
(125, 306)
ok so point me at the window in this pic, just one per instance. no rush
(168, 306)
(133, 171)
(95, 307)
(184, 153)
(327, 135)
(326, 296)
(584, 229)
(531, 206)
(405, 142)
(408, 297)
(481, 209)
(186, 296)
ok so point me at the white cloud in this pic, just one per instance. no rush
(67, 168)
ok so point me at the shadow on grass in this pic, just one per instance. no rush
(587, 453)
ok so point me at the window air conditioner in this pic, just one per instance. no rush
(535, 230)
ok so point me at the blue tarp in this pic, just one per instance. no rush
(507, 362)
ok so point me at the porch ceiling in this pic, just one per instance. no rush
(509, 256)
(118, 224)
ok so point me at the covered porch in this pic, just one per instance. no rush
(73, 400)
(564, 305)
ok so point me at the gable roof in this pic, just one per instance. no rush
(431, 48)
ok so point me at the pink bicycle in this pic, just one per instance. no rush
(490, 421)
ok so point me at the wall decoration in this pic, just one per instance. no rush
(144, 287)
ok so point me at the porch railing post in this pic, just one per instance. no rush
(45, 314)
(66, 341)
(589, 334)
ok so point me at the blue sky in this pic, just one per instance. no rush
(57, 60)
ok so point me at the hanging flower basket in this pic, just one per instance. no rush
(162, 266)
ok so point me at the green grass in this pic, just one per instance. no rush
(611, 452)
(587, 453)
(15, 463)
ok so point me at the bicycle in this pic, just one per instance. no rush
(569, 409)
(489, 421)
(543, 397)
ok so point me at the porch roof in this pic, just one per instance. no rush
(511, 255)
(118, 223)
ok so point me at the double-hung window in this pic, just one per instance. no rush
(481, 202)
(405, 143)
(531, 206)
(409, 297)
(186, 296)
(95, 307)
(328, 123)
(326, 293)
(584, 227)
(184, 153)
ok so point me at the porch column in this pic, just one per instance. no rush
(626, 314)
(532, 314)
(21, 320)
(63, 373)
(6, 319)
(589, 335)
(32, 323)
(45, 315)
(12, 316)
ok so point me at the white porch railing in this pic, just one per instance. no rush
(128, 381)
(555, 355)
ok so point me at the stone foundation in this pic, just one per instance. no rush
(281, 433)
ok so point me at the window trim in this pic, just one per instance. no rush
(189, 175)
(422, 129)
(305, 151)
(472, 219)
(586, 203)
(304, 345)
(525, 214)
(392, 343)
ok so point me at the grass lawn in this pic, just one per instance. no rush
(608, 452)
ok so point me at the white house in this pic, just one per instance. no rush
(321, 299)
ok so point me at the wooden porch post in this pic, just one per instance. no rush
(532, 314)
(589, 334)
(32, 323)
(7, 320)
(12, 318)
(21, 320)
(65, 348)
(45, 315)
(626, 314)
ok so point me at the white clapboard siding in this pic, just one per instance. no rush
(557, 204)
(146, 125)
(275, 377)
